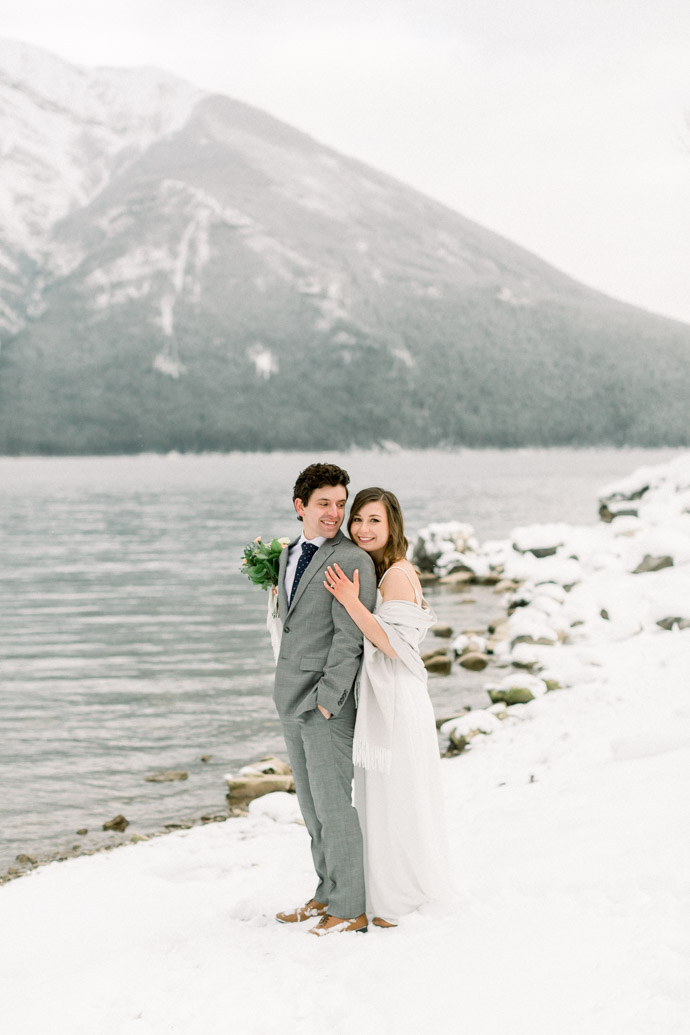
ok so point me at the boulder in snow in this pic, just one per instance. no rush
(267, 776)
(439, 547)
(517, 688)
(608, 513)
(466, 642)
(540, 540)
(438, 661)
(461, 730)
(649, 563)
(458, 578)
(243, 789)
(474, 661)
(671, 623)
(506, 586)
(278, 806)
(268, 764)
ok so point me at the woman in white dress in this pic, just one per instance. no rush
(397, 778)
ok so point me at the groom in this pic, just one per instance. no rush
(317, 667)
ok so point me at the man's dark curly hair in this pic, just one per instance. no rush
(315, 477)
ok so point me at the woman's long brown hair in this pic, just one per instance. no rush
(396, 547)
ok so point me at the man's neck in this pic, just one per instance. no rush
(313, 539)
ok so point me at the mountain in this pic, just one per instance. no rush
(182, 271)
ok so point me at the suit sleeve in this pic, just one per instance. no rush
(345, 654)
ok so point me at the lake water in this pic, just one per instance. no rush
(130, 642)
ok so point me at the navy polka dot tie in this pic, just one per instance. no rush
(308, 551)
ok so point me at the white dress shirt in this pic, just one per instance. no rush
(293, 559)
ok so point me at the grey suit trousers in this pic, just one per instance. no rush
(320, 753)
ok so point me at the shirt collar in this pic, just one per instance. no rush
(318, 541)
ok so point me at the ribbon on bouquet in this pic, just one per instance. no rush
(273, 621)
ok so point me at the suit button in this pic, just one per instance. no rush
(286, 629)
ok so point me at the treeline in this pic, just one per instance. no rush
(478, 402)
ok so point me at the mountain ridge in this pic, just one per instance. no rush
(229, 273)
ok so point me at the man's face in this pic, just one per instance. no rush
(324, 512)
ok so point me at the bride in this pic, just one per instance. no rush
(397, 778)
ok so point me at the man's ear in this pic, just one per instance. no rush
(299, 507)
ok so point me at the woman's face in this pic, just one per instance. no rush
(369, 527)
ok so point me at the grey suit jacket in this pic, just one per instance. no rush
(321, 647)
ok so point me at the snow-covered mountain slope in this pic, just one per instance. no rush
(175, 267)
(64, 132)
(67, 130)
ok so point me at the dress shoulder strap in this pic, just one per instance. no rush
(399, 567)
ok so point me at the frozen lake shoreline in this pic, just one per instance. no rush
(131, 644)
(569, 837)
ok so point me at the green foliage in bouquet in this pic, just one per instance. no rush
(260, 561)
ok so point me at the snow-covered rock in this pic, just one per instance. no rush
(480, 720)
(269, 764)
(528, 626)
(465, 642)
(445, 547)
(517, 688)
(525, 655)
(463, 729)
(540, 540)
(278, 806)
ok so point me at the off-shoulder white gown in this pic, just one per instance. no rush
(397, 768)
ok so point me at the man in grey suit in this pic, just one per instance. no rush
(317, 668)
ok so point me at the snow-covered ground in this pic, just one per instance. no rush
(570, 840)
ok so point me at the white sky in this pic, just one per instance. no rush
(561, 124)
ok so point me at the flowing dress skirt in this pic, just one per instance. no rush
(401, 812)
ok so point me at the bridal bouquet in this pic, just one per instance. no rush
(260, 561)
(260, 564)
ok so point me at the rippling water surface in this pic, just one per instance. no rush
(130, 643)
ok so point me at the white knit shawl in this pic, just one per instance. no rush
(405, 624)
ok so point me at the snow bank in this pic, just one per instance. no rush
(569, 833)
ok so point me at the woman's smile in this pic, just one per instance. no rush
(369, 527)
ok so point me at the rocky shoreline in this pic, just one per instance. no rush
(566, 585)
(26, 863)
(559, 586)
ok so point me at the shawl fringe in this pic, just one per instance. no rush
(370, 756)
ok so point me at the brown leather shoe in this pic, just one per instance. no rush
(336, 925)
(378, 921)
(311, 909)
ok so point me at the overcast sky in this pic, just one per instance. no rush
(561, 124)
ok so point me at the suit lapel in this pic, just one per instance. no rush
(317, 564)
